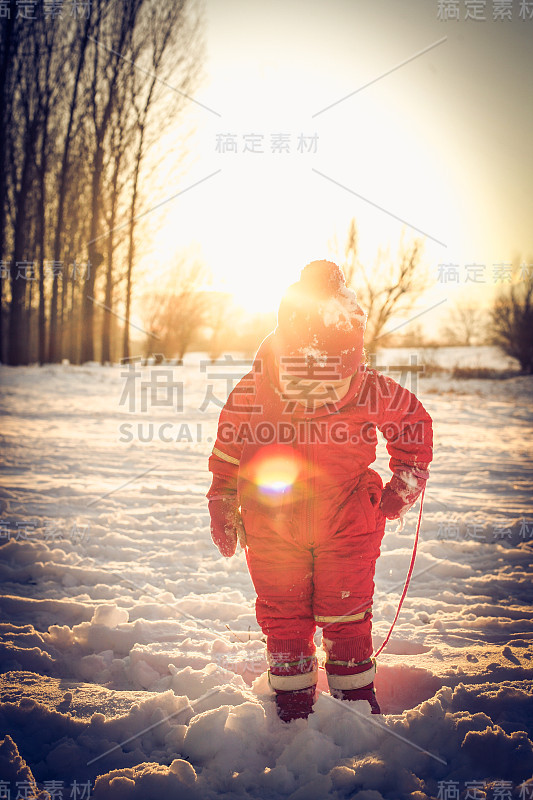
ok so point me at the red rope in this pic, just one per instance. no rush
(408, 579)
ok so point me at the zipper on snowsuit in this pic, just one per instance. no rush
(309, 499)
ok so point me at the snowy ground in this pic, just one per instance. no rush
(132, 664)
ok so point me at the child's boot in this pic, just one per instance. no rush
(349, 680)
(294, 683)
(296, 704)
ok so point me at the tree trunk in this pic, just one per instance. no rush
(131, 248)
(17, 344)
(41, 215)
(95, 259)
(55, 337)
(6, 39)
(106, 325)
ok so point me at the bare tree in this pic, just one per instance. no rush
(76, 61)
(465, 325)
(350, 253)
(77, 103)
(75, 238)
(389, 288)
(346, 255)
(22, 155)
(220, 321)
(51, 81)
(122, 131)
(113, 29)
(165, 43)
(175, 314)
(8, 46)
(512, 319)
(413, 336)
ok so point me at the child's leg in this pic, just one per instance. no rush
(342, 604)
(282, 576)
(349, 678)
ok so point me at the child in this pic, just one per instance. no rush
(292, 481)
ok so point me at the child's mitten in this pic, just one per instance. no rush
(226, 525)
(402, 491)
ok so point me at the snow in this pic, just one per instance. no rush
(342, 310)
(131, 656)
(449, 357)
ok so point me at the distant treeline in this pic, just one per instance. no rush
(80, 91)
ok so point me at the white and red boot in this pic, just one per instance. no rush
(294, 682)
(350, 680)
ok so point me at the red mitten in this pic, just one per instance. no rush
(226, 525)
(226, 521)
(402, 491)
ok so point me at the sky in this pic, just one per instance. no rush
(414, 125)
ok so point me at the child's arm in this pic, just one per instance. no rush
(408, 429)
(226, 522)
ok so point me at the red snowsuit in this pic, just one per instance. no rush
(310, 502)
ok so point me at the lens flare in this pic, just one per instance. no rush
(275, 470)
(276, 475)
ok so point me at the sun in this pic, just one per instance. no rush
(255, 293)
(260, 218)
